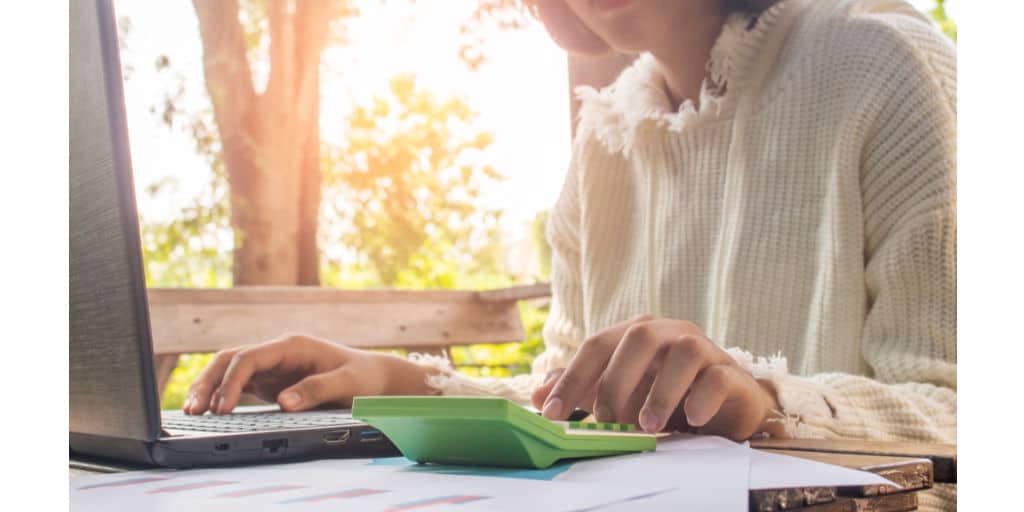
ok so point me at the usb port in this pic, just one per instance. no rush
(370, 435)
(336, 437)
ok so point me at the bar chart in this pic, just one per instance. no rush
(341, 495)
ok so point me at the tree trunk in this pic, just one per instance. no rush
(270, 140)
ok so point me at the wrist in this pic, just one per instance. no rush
(405, 377)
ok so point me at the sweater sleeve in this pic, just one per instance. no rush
(908, 187)
(562, 331)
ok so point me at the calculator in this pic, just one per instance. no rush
(485, 431)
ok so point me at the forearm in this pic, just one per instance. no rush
(844, 406)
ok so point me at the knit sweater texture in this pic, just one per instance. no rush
(802, 212)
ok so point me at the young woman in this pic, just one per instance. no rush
(768, 177)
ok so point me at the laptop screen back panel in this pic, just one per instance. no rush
(112, 389)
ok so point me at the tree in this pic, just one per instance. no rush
(270, 140)
(502, 14)
(402, 192)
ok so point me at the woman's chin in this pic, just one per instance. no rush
(628, 43)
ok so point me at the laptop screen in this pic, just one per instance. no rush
(112, 389)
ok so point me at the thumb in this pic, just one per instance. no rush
(541, 394)
(333, 386)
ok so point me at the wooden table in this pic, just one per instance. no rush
(916, 467)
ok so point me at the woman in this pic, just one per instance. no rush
(769, 178)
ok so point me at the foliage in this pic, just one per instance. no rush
(938, 13)
(500, 14)
(540, 243)
(402, 193)
(193, 250)
(187, 370)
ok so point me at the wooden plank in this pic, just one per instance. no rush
(943, 456)
(302, 295)
(515, 293)
(186, 321)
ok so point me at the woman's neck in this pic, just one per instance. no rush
(684, 54)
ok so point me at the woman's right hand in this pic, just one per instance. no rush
(301, 372)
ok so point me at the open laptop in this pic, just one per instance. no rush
(114, 407)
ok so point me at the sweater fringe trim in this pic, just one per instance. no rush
(449, 382)
(444, 381)
(802, 408)
(636, 104)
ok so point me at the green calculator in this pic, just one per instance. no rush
(485, 431)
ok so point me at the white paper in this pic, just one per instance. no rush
(775, 471)
(697, 473)
(298, 487)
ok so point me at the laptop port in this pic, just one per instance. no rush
(370, 435)
(221, 447)
(336, 437)
(274, 448)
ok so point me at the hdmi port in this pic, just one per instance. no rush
(336, 437)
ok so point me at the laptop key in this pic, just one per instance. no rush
(248, 422)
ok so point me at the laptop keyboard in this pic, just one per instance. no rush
(255, 422)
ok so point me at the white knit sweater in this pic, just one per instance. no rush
(804, 206)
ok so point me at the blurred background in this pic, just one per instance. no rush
(413, 144)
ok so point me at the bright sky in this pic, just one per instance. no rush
(521, 93)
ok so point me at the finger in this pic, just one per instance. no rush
(582, 374)
(683, 358)
(201, 390)
(636, 400)
(589, 400)
(268, 385)
(241, 369)
(584, 371)
(630, 361)
(708, 393)
(540, 395)
(339, 385)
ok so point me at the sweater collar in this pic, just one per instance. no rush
(637, 102)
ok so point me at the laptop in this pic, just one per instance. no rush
(114, 408)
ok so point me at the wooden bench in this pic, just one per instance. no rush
(191, 320)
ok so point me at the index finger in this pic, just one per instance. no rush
(241, 368)
(585, 368)
(201, 390)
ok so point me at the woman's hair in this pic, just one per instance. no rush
(571, 34)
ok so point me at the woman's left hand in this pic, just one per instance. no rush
(660, 373)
